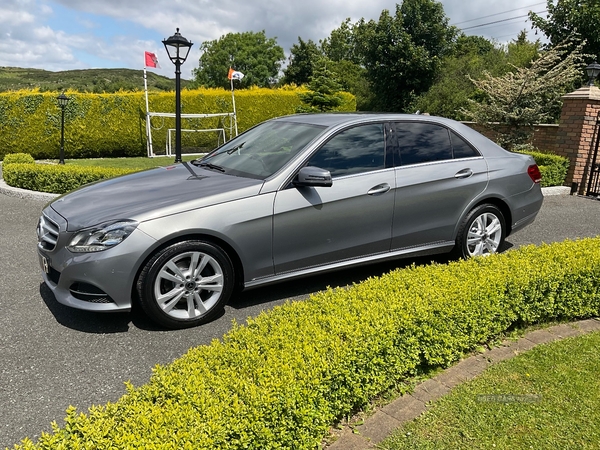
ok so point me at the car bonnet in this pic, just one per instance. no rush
(150, 194)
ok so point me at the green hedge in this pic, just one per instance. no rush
(57, 179)
(553, 167)
(109, 125)
(62, 179)
(285, 377)
(18, 158)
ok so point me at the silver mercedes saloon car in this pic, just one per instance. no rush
(291, 197)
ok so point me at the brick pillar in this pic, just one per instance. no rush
(576, 133)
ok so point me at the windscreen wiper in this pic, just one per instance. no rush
(237, 148)
(208, 165)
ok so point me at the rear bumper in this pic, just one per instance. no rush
(525, 207)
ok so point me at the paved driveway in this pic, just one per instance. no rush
(53, 356)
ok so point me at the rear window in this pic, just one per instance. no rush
(422, 142)
(460, 148)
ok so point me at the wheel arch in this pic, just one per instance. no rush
(498, 203)
(236, 262)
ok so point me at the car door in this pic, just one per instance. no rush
(438, 175)
(319, 225)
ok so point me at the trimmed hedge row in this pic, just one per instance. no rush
(62, 179)
(57, 179)
(15, 158)
(553, 167)
(110, 125)
(285, 377)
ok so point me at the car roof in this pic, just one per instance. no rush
(333, 120)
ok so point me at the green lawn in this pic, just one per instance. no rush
(547, 398)
(128, 163)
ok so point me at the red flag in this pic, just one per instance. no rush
(151, 60)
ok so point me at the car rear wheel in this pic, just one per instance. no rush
(481, 233)
(186, 284)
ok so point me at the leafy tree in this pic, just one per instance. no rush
(472, 45)
(344, 43)
(520, 52)
(345, 50)
(259, 58)
(452, 88)
(527, 95)
(323, 88)
(569, 17)
(303, 57)
(471, 57)
(352, 78)
(403, 52)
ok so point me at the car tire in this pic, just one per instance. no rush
(481, 233)
(186, 284)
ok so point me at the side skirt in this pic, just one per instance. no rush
(424, 250)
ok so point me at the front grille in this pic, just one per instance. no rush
(47, 233)
(89, 293)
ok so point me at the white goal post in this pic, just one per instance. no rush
(221, 131)
(221, 134)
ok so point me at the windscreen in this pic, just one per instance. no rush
(262, 150)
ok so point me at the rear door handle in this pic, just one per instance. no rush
(465, 173)
(379, 189)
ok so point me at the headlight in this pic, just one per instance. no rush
(102, 237)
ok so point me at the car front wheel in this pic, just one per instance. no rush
(186, 284)
(481, 233)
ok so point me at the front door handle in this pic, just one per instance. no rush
(465, 173)
(379, 189)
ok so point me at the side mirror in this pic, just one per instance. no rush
(313, 176)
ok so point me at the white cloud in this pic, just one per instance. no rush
(114, 33)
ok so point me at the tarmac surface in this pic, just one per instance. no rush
(54, 356)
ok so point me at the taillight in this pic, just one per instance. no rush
(534, 173)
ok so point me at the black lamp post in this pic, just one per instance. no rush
(177, 48)
(593, 70)
(62, 100)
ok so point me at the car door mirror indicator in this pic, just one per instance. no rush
(313, 176)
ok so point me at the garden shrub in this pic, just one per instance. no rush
(285, 377)
(17, 158)
(57, 179)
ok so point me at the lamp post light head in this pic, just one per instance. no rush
(62, 100)
(593, 70)
(177, 48)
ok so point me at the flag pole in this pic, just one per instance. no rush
(148, 127)
(234, 112)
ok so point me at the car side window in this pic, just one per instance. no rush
(356, 150)
(460, 148)
(422, 142)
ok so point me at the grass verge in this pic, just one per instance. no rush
(548, 397)
(127, 163)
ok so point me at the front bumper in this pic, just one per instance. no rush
(99, 281)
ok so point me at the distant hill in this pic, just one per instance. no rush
(87, 80)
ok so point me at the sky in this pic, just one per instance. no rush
(83, 34)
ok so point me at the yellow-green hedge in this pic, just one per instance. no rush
(284, 378)
(15, 158)
(57, 179)
(104, 125)
(552, 167)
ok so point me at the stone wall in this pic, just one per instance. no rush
(544, 135)
(574, 136)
